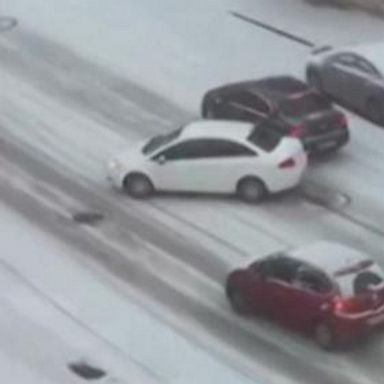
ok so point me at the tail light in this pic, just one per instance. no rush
(297, 131)
(288, 163)
(342, 121)
(350, 305)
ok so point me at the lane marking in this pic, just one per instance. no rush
(272, 29)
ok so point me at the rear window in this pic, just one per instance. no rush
(357, 283)
(304, 104)
(264, 136)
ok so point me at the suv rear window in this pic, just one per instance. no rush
(304, 104)
(264, 136)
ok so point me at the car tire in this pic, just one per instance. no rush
(236, 299)
(375, 110)
(314, 79)
(251, 189)
(324, 336)
(138, 185)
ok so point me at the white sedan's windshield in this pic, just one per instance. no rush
(159, 141)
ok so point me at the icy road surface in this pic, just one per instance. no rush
(99, 75)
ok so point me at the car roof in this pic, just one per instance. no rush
(272, 88)
(330, 257)
(220, 129)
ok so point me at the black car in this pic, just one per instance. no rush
(291, 106)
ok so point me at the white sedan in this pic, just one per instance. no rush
(211, 157)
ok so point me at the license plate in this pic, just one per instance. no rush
(376, 320)
(326, 144)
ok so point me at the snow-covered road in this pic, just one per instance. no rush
(92, 80)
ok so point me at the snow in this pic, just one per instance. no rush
(164, 45)
(47, 323)
(78, 120)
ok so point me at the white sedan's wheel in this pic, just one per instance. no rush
(251, 189)
(138, 185)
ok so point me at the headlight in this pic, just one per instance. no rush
(115, 165)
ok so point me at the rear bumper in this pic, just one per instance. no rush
(326, 142)
(286, 179)
(349, 329)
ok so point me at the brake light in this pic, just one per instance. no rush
(350, 305)
(342, 121)
(288, 163)
(296, 131)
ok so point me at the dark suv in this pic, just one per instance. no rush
(291, 106)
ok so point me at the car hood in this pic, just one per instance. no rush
(133, 155)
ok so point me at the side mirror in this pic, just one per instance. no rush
(161, 160)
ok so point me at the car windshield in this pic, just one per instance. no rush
(159, 141)
(304, 104)
(264, 136)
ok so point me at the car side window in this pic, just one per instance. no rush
(205, 148)
(190, 149)
(226, 148)
(345, 59)
(280, 268)
(312, 280)
(252, 101)
(366, 67)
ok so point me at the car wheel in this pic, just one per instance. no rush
(251, 189)
(237, 301)
(324, 336)
(314, 79)
(138, 185)
(375, 110)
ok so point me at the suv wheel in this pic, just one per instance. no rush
(138, 185)
(251, 189)
(324, 336)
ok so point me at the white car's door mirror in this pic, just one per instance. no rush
(161, 160)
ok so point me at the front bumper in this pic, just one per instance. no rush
(115, 173)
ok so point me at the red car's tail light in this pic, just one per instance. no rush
(296, 131)
(288, 163)
(350, 305)
(342, 121)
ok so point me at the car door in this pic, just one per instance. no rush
(360, 81)
(180, 166)
(335, 76)
(310, 293)
(255, 287)
(227, 162)
(201, 165)
(277, 286)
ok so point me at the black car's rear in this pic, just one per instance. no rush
(312, 118)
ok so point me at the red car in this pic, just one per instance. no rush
(327, 290)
